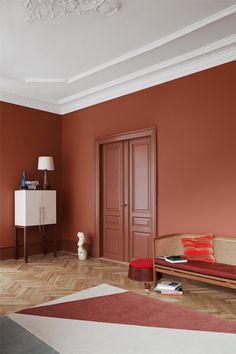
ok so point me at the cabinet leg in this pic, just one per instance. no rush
(25, 245)
(16, 238)
(44, 240)
(55, 242)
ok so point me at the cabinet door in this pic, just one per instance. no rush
(33, 204)
(20, 208)
(48, 207)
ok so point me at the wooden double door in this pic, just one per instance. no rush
(128, 198)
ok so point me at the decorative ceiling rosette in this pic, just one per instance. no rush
(108, 7)
(47, 9)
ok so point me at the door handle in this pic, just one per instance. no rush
(39, 219)
(43, 209)
(124, 204)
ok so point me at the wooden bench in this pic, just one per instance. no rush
(222, 273)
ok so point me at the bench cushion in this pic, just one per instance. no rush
(217, 269)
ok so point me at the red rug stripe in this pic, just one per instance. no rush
(133, 309)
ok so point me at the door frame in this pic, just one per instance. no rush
(140, 133)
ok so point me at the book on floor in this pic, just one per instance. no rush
(168, 286)
(173, 293)
(174, 259)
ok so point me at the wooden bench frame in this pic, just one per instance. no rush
(211, 279)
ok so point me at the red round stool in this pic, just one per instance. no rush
(141, 269)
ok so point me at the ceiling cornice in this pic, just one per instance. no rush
(215, 54)
(229, 11)
(147, 48)
(207, 56)
(31, 102)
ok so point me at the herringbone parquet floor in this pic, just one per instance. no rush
(45, 278)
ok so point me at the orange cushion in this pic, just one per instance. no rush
(199, 248)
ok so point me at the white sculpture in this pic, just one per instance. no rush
(82, 253)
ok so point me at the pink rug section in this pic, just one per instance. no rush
(133, 309)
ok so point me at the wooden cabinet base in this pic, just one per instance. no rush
(44, 235)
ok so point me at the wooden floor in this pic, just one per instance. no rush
(45, 278)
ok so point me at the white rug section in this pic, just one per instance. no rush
(99, 290)
(86, 337)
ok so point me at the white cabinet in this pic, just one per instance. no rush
(35, 207)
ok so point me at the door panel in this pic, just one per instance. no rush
(140, 197)
(113, 237)
(140, 244)
(112, 243)
(140, 174)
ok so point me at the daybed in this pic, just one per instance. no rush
(223, 272)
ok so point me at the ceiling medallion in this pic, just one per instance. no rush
(46, 9)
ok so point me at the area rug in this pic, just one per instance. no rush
(109, 320)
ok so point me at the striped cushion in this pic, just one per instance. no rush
(199, 248)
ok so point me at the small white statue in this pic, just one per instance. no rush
(82, 253)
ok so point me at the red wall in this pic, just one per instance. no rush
(196, 127)
(195, 121)
(25, 134)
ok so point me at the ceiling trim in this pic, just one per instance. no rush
(44, 80)
(144, 49)
(214, 54)
(217, 53)
(204, 58)
(43, 105)
(154, 68)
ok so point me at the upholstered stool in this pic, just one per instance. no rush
(142, 270)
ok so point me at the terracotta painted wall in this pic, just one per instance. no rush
(25, 134)
(196, 129)
(195, 121)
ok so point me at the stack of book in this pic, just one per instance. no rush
(169, 288)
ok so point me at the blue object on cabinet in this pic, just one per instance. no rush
(23, 180)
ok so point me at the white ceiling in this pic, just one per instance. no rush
(67, 63)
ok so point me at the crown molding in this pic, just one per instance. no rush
(154, 68)
(48, 80)
(218, 53)
(30, 102)
(144, 49)
(215, 54)
(178, 34)
(203, 58)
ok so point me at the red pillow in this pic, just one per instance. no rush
(199, 248)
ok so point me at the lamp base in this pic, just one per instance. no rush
(46, 187)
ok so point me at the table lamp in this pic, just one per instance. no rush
(46, 163)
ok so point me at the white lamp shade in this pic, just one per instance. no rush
(46, 163)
